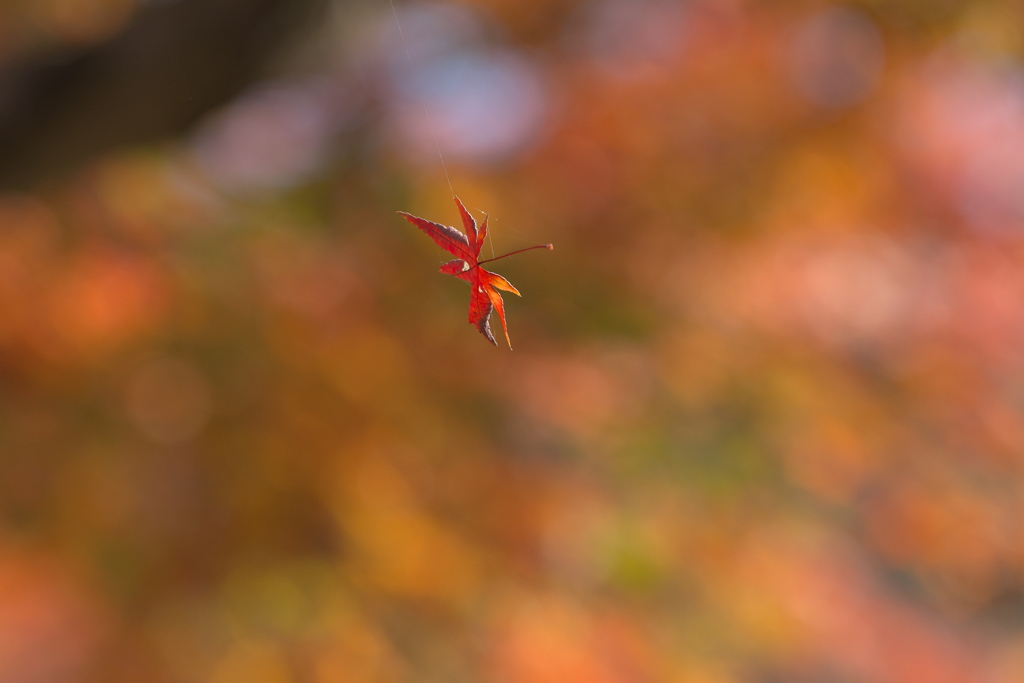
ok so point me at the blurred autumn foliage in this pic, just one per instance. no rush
(765, 417)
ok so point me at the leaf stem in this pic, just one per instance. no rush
(517, 251)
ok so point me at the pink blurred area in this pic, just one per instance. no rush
(52, 625)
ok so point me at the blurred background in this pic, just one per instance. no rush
(764, 422)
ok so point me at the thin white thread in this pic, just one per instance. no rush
(426, 111)
(504, 225)
(491, 232)
(489, 238)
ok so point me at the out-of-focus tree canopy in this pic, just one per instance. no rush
(765, 416)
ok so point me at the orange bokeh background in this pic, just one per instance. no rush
(765, 416)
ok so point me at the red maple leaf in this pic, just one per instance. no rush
(485, 285)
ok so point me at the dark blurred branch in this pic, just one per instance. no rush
(173, 63)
